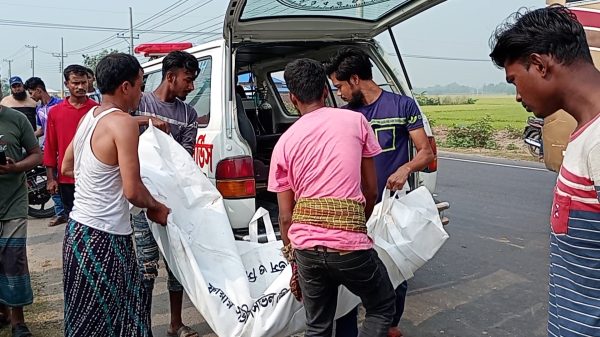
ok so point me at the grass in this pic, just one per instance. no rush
(504, 111)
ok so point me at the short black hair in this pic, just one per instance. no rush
(180, 60)
(553, 30)
(350, 61)
(114, 69)
(306, 79)
(35, 82)
(90, 72)
(74, 69)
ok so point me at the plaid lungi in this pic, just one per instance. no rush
(104, 296)
(15, 284)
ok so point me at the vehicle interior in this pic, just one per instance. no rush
(264, 110)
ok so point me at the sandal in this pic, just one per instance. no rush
(57, 220)
(21, 330)
(184, 331)
(4, 321)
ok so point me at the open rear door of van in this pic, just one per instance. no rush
(316, 20)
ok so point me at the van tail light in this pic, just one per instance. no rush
(235, 178)
(432, 166)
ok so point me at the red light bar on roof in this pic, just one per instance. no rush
(160, 49)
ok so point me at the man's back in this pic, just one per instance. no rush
(320, 155)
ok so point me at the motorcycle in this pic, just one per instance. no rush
(532, 136)
(39, 197)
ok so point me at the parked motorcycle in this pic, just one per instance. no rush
(532, 136)
(40, 205)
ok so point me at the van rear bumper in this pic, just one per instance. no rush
(240, 211)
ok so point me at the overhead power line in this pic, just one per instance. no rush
(180, 14)
(90, 28)
(137, 25)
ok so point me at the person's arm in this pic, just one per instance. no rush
(30, 144)
(39, 131)
(67, 168)
(189, 132)
(286, 203)
(409, 110)
(369, 184)
(51, 154)
(33, 159)
(423, 157)
(279, 183)
(126, 140)
(144, 121)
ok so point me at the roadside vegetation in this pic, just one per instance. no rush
(490, 125)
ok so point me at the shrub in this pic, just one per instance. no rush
(479, 134)
(423, 99)
(514, 132)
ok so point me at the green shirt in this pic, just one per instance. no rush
(17, 137)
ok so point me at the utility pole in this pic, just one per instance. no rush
(9, 67)
(32, 58)
(62, 56)
(130, 31)
(131, 36)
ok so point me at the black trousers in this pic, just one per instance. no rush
(362, 272)
(67, 194)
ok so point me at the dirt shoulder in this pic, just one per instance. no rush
(508, 147)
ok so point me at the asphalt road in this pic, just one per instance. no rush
(490, 278)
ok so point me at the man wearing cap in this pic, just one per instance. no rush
(20, 100)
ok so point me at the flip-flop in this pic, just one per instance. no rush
(21, 330)
(184, 331)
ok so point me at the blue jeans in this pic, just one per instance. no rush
(59, 209)
(347, 326)
(361, 272)
(148, 254)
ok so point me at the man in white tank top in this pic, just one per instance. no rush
(166, 108)
(103, 290)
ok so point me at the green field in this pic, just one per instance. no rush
(504, 111)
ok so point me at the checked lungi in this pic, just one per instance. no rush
(15, 284)
(104, 296)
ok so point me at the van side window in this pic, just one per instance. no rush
(199, 98)
(152, 81)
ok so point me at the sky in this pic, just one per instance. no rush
(458, 29)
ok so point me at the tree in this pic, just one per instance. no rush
(91, 61)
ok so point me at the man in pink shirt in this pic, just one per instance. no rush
(323, 172)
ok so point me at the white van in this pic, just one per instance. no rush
(241, 98)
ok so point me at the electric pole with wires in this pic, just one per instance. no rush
(130, 37)
(32, 58)
(62, 56)
(9, 67)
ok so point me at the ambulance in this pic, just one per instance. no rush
(242, 100)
